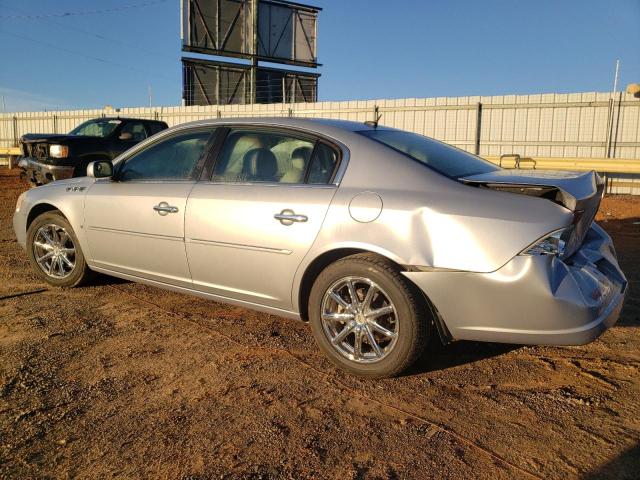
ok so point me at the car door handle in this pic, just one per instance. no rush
(163, 208)
(288, 217)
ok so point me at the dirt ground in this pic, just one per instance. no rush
(123, 380)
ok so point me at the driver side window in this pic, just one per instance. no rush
(175, 158)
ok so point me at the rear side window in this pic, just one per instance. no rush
(133, 131)
(175, 158)
(249, 156)
(443, 158)
(323, 164)
(154, 128)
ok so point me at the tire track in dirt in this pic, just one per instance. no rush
(331, 381)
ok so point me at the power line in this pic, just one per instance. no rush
(74, 52)
(83, 12)
(93, 34)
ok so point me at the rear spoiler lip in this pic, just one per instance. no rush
(566, 198)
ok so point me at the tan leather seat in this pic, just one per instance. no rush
(299, 158)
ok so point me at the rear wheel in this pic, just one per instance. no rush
(54, 251)
(367, 317)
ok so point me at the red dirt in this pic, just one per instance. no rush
(122, 380)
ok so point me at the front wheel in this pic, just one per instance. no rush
(54, 251)
(367, 317)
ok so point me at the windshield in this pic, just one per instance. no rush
(95, 128)
(443, 158)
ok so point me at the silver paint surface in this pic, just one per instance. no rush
(224, 243)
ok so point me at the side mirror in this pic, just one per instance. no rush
(100, 169)
(125, 136)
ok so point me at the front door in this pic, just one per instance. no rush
(135, 223)
(248, 229)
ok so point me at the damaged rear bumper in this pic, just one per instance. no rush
(539, 300)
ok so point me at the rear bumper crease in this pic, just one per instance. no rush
(533, 299)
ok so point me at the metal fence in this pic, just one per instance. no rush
(583, 125)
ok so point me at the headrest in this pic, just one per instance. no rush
(300, 156)
(260, 164)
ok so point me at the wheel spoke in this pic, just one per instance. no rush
(357, 344)
(67, 251)
(355, 301)
(66, 260)
(366, 303)
(372, 342)
(343, 333)
(380, 312)
(46, 256)
(384, 331)
(63, 236)
(44, 246)
(47, 237)
(340, 301)
(55, 235)
(337, 317)
(51, 264)
(60, 266)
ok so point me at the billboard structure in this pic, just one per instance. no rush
(207, 82)
(275, 31)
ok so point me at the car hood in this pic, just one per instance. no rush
(49, 137)
(579, 192)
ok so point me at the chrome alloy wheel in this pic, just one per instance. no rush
(54, 251)
(359, 319)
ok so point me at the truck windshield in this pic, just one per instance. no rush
(95, 128)
(443, 158)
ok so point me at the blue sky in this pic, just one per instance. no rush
(369, 49)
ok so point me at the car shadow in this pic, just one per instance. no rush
(626, 239)
(442, 357)
(624, 467)
(103, 280)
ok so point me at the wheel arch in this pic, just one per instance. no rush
(39, 209)
(322, 261)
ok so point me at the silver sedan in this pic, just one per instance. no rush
(380, 238)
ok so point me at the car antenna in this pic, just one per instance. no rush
(374, 123)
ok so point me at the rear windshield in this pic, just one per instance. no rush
(443, 158)
(96, 128)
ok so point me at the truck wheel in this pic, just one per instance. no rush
(54, 251)
(367, 318)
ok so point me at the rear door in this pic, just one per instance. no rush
(249, 227)
(135, 225)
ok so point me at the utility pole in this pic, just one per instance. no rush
(4, 107)
(610, 119)
(150, 95)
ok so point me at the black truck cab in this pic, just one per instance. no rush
(49, 157)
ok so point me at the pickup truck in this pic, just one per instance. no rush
(49, 157)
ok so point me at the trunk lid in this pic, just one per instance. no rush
(580, 192)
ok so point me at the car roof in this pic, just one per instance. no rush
(130, 119)
(320, 125)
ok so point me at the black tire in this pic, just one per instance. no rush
(411, 313)
(80, 273)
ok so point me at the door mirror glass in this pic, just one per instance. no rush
(100, 169)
